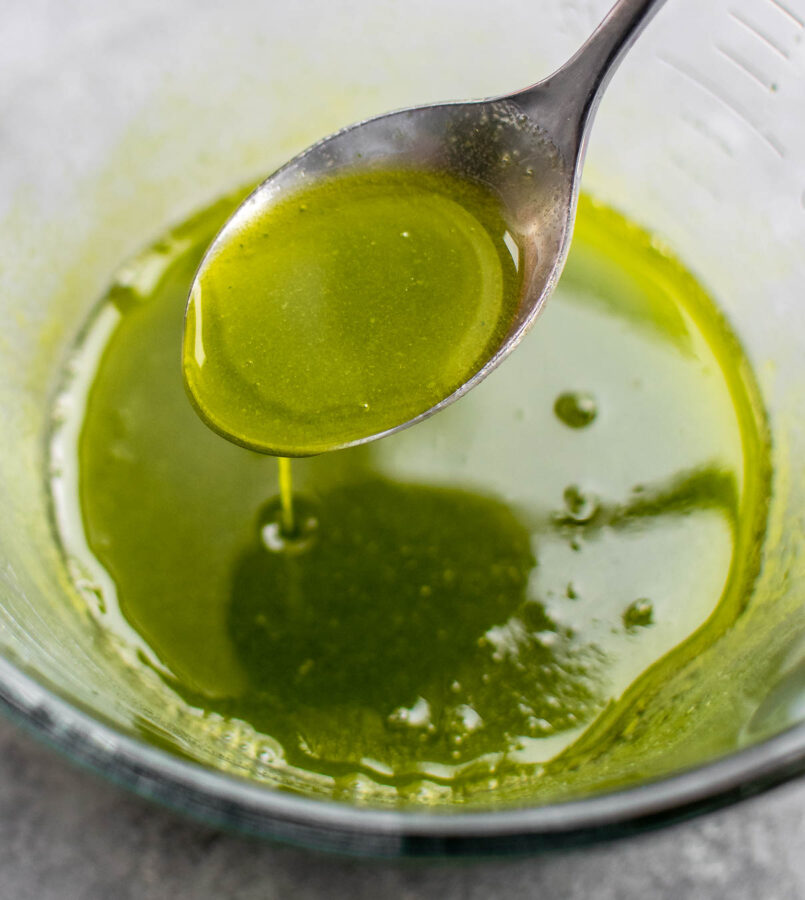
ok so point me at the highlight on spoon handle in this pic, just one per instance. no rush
(594, 64)
(571, 95)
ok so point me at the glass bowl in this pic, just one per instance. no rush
(121, 119)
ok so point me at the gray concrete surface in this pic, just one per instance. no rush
(66, 835)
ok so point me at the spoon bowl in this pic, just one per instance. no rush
(527, 146)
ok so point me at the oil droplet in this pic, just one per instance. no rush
(580, 508)
(576, 409)
(638, 614)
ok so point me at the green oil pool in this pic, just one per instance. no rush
(467, 602)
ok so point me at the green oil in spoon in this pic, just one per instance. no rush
(347, 309)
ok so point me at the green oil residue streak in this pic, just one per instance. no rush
(483, 607)
(348, 308)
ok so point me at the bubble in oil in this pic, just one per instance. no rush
(576, 409)
(466, 719)
(275, 537)
(580, 506)
(416, 716)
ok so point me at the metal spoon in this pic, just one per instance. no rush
(528, 145)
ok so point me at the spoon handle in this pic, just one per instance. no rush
(566, 101)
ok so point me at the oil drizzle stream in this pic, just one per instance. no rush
(287, 519)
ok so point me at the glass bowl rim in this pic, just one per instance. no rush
(222, 800)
